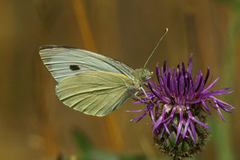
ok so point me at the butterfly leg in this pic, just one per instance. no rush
(135, 94)
(147, 96)
(144, 92)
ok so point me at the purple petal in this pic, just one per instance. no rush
(159, 121)
(194, 119)
(207, 75)
(212, 84)
(180, 122)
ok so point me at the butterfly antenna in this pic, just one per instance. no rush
(166, 30)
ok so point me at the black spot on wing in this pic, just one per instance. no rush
(74, 67)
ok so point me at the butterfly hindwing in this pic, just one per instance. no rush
(66, 61)
(96, 93)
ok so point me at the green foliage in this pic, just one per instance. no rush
(88, 152)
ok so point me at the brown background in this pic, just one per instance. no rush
(35, 124)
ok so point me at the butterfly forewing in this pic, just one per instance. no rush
(65, 61)
(96, 93)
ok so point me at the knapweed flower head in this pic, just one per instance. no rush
(178, 106)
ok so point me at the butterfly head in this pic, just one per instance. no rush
(142, 74)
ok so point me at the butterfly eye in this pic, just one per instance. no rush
(143, 75)
(74, 67)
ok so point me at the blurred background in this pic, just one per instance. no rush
(36, 125)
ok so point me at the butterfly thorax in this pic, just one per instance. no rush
(141, 76)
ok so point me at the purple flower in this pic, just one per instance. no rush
(180, 101)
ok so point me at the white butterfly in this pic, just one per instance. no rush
(89, 82)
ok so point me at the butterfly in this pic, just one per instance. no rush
(93, 83)
(89, 82)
